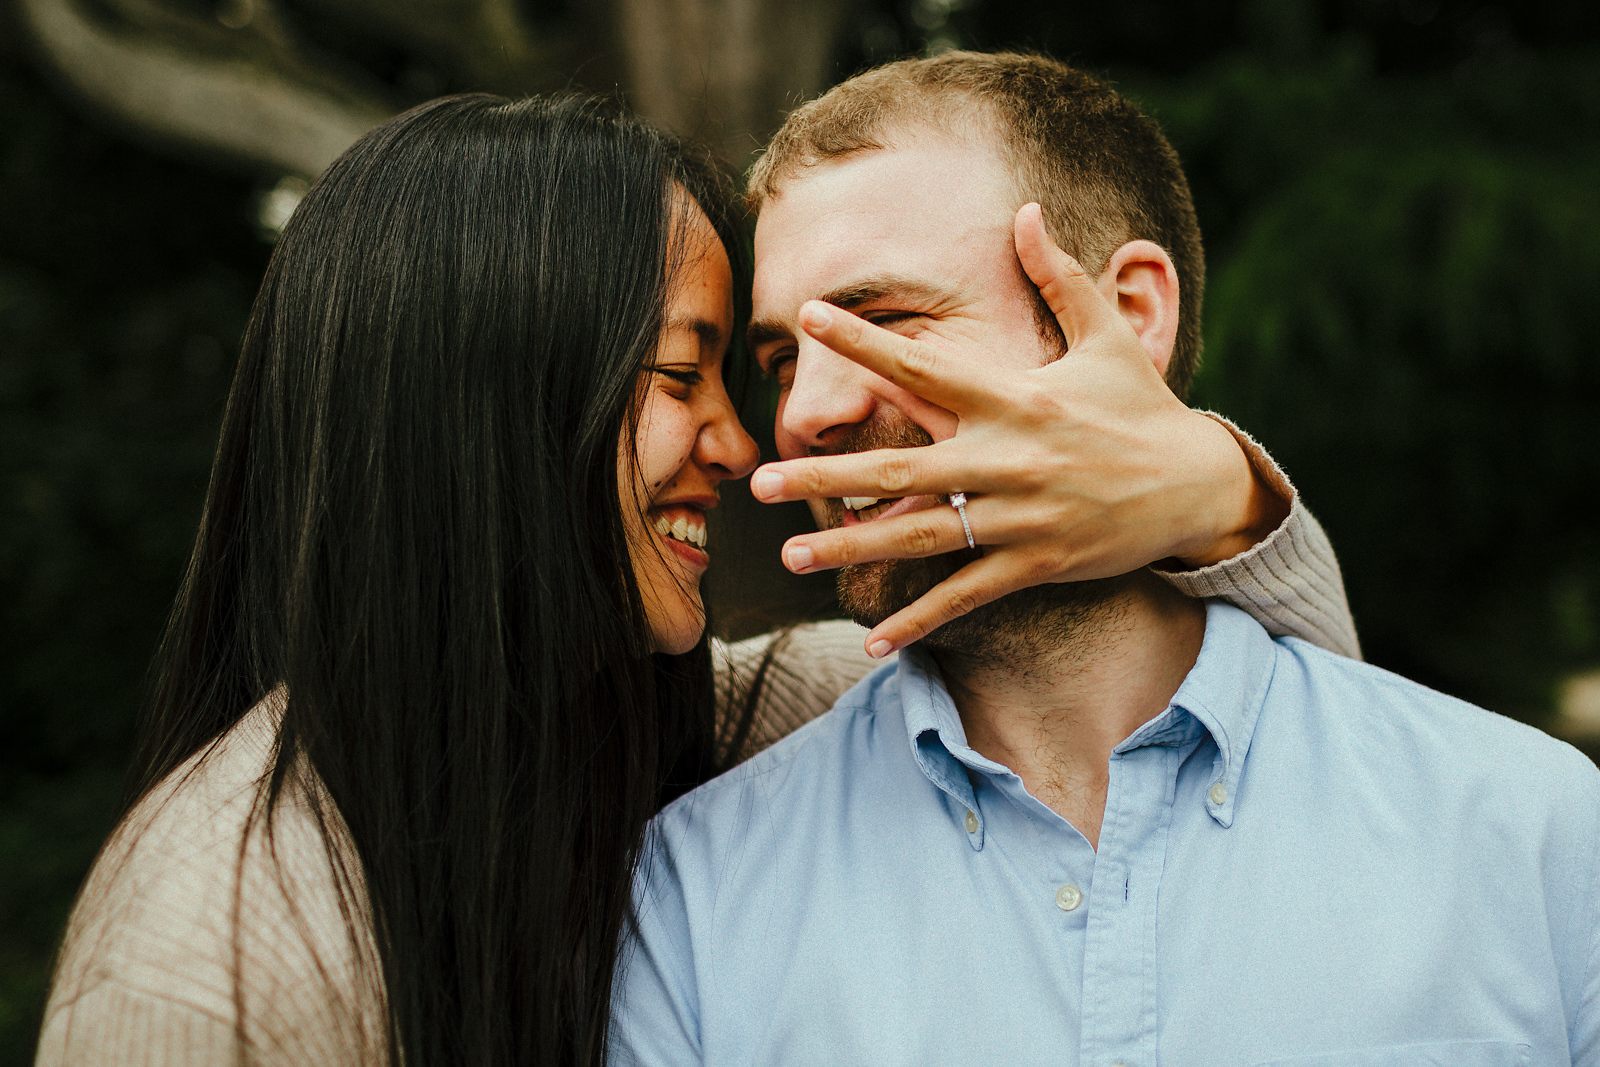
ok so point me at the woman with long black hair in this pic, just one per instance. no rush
(412, 546)
(439, 652)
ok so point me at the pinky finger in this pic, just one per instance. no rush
(973, 586)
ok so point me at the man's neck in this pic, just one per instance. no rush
(1054, 714)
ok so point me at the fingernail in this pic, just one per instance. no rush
(816, 316)
(798, 558)
(879, 648)
(766, 483)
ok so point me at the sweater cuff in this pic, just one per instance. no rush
(1290, 581)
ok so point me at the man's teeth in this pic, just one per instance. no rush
(681, 529)
(858, 503)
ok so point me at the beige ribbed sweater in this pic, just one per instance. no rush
(146, 975)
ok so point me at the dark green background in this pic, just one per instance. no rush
(1403, 231)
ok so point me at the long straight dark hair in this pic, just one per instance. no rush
(413, 526)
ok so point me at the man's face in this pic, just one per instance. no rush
(917, 239)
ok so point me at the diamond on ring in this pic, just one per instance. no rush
(959, 502)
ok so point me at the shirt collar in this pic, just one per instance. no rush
(1223, 692)
(938, 737)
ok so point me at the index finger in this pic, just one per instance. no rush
(1060, 279)
(980, 582)
(955, 384)
(883, 472)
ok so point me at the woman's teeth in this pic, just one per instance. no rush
(681, 529)
(859, 503)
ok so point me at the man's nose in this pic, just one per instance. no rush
(828, 395)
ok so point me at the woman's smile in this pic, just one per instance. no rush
(683, 528)
(688, 441)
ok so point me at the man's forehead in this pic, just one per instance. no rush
(905, 211)
(961, 125)
(968, 157)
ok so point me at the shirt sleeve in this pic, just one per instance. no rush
(1583, 1004)
(1586, 1027)
(655, 1010)
(1290, 582)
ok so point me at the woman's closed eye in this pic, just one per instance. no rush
(687, 377)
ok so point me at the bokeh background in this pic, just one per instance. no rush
(1401, 200)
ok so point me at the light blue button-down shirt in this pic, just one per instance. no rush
(1304, 861)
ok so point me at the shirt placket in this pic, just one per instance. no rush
(1119, 965)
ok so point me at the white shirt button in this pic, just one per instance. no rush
(1068, 897)
(972, 823)
(1219, 794)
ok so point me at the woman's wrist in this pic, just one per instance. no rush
(1248, 505)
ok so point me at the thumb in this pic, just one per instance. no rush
(1060, 279)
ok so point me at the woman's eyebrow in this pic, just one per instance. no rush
(710, 333)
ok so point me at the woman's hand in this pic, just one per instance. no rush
(1085, 468)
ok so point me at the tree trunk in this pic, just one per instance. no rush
(725, 71)
(239, 83)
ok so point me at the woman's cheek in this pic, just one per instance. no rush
(665, 443)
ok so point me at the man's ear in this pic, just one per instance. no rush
(1141, 280)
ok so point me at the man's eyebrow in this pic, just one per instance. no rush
(763, 331)
(855, 294)
(852, 296)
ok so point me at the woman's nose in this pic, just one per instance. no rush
(727, 450)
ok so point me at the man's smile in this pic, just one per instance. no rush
(868, 508)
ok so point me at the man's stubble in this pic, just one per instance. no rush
(1022, 624)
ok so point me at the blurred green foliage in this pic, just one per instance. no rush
(1402, 306)
(124, 281)
(1403, 239)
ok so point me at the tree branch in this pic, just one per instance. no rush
(486, 44)
(247, 99)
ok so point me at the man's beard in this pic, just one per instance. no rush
(1023, 623)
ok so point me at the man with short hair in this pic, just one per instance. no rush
(1092, 823)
